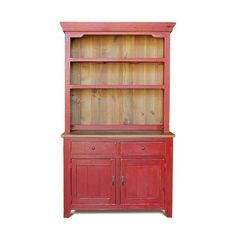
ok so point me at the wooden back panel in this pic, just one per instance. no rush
(117, 46)
(116, 106)
(117, 73)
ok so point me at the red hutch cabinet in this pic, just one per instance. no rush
(117, 144)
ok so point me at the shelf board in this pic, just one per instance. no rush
(117, 134)
(117, 60)
(118, 86)
(153, 127)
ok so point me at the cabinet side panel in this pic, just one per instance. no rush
(67, 83)
(168, 177)
(67, 178)
(167, 83)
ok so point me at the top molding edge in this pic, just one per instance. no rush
(117, 26)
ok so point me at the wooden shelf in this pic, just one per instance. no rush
(114, 133)
(123, 86)
(102, 60)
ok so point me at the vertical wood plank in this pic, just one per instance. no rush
(85, 106)
(75, 107)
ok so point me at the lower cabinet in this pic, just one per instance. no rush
(118, 175)
(93, 181)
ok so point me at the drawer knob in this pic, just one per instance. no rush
(93, 148)
(142, 148)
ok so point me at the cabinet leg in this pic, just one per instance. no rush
(168, 212)
(67, 213)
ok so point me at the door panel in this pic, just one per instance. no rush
(93, 181)
(142, 181)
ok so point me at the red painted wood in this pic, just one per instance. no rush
(67, 82)
(67, 179)
(93, 147)
(143, 148)
(167, 84)
(106, 86)
(168, 177)
(117, 127)
(117, 139)
(117, 26)
(92, 181)
(111, 207)
(143, 181)
(157, 34)
(102, 60)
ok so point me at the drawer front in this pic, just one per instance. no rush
(93, 147)
(142, 148)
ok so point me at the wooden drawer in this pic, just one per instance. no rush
(93, 147)
(142, 148)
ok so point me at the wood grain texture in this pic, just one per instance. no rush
(121, 106)
(117, 73)
(117, 46)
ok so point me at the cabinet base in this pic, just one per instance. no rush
(113, 208)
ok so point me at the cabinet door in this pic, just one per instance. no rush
(142, 181)
(93, 181)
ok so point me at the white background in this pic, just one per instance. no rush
(203, 117)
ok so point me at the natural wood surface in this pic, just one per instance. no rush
(121, 106)
(114, 133)
(121, 46)
(117, 73)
